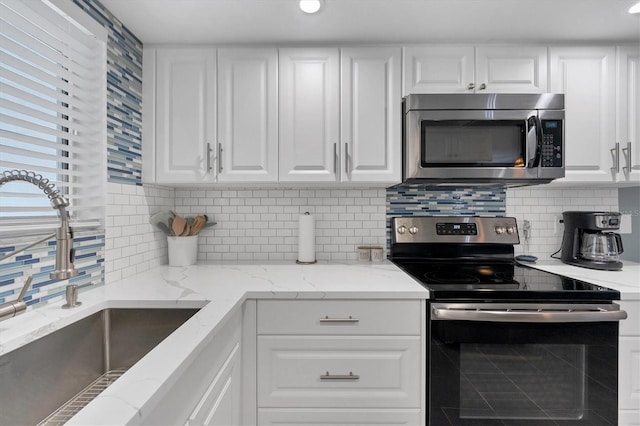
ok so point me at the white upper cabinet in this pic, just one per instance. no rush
(465, 69)
(438, 69)
(371, 115)
(309, 86)
(247, 143)
(185, 115)
(511, 69)
(628, 113)
(586, 75)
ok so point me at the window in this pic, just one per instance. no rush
(52, 113)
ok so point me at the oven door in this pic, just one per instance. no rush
(523, 364)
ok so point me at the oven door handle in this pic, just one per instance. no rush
(531, 315)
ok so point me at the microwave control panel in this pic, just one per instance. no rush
(551, 155)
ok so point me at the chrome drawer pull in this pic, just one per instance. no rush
(326, 319)
(349, 376)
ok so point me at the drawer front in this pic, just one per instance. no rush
(339, 317)
(339, 371)
(630, 326)
(315, 417)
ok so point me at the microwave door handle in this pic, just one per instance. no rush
(535, 123)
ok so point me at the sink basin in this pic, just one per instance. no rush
(38, 381)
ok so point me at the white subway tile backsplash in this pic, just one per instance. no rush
(262, 224)
(542, 205)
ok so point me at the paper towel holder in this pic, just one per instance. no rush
(306, 262)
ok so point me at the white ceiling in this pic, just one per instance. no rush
(378, 21)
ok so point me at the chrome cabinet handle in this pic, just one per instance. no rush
(471, 86)
(615, 153)
(482, 86)
(346, 158)
(627, 153)
(326, 320)
(350, 376)
(335, 158)
(220, 158)
(208, 155)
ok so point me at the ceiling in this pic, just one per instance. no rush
(378, 21)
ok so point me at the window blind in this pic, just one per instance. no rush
(52, 115)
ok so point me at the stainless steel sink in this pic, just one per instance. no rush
(50, 379)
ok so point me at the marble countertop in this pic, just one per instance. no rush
(219, 290)
(626, 281)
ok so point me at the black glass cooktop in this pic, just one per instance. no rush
(463, 280)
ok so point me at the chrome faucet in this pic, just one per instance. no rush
(64, 268)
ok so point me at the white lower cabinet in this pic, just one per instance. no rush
(328, 417)
(220, 403)
(209, 390)
(629, 365)
(340, 362)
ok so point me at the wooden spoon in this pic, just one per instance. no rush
(198, 224)
(178, 225)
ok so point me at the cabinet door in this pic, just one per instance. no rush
(586, 76)
(220, 405)
(628, 112)
(185, 115)
(438, 69)
(629, 373)
(370, 121)
(309, 114)
(247, 115)
(511, 69)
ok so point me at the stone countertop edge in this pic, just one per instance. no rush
(626, 281)
(220, 290)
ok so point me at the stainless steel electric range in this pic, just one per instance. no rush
(508, 344)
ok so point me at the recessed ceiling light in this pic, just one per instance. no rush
(635, 8)
(310, 6)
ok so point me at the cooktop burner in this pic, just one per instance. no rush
(471, 258)
(457, 280)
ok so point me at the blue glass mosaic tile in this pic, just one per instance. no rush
(423, 200)
(124, 96)
(89, 261)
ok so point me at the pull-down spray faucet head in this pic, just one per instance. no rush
(64, 268)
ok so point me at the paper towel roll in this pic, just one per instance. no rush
(306, 239)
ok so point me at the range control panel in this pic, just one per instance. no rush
(455, 229)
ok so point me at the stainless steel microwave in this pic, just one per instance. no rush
(509, 139)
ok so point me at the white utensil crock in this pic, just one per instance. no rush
(183, 251)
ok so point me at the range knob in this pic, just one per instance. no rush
(401, 229)
(413, 230)
(511, 230)
(500, 230)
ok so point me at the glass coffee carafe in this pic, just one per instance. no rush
(601, 246)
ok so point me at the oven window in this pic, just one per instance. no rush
(495, 373)
(479, 143)
(527, 382)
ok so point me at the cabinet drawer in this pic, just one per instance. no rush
(339, 317)
(630, 326)
(315, 417)
(339, 371)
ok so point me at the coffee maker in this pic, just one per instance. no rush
(589, 240)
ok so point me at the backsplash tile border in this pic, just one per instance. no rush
(425, 200)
